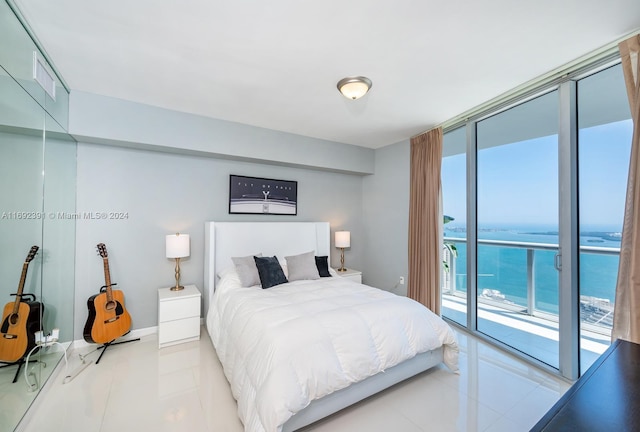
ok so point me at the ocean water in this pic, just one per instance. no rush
(505, 269)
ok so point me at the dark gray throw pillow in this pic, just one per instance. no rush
(322, 263)
(270, 271)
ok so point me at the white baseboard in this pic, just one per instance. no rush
(133, 334)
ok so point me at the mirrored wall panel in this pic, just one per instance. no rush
(37, 252)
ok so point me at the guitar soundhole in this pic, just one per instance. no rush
(13, 319)
(110, 305)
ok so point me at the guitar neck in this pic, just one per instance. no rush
(23, 278)
(107, 278)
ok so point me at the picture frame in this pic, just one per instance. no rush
(257, 195)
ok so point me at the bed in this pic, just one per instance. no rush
(292, 353)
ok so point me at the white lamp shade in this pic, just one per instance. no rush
(343, 239)
(177, 245)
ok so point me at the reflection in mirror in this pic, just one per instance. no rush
(58, 232)
(21, 162)
(37, 227)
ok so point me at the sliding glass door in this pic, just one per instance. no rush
(536, 229)
(605, 129)
(454, 251)
(517, 226)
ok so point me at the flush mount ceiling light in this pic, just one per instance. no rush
(354, 87)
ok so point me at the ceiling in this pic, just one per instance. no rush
(275, 64)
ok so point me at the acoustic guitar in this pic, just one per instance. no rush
(20, 320)
(108, 319)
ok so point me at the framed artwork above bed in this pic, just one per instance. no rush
(255, 195)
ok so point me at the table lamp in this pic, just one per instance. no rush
(343, 240)
(177, 246)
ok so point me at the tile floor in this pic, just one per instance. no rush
(137, 387)
(16, 397)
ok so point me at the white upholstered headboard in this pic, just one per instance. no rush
(226, 239)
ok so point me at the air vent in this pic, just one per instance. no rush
(43, 77)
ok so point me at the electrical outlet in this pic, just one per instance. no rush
(401, 280)
(47, 340)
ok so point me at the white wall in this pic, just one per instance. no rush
(105, 120)
(385, 197)
(163, 193)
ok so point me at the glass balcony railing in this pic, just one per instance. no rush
(522, 277)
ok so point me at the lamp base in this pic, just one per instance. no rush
(342, 267)
(177, 286)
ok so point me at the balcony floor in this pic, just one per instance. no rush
(533, 335)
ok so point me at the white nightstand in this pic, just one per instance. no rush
(178, 315)
(354, 275)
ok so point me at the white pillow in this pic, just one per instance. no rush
(302, 266)
(285, 269)
(228, 271)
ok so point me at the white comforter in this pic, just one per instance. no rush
(285, 346)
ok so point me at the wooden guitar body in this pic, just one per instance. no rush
(108, 320)
(20, 320)
(18, 338)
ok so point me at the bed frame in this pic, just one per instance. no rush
(226, 239)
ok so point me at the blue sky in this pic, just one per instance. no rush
(517, 183)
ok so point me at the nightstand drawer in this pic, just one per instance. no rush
(177, 309)
(356, 278)
(178, 315)
(179, 331)
(351, 274)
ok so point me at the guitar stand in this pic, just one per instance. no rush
(105, 346)
(19, 363)
(108, 344)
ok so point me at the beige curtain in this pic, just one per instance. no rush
(626, 318)
(425, 219)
